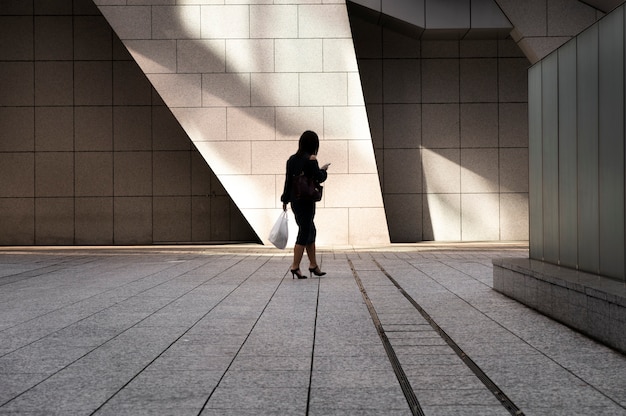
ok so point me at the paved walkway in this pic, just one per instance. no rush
(224, 330)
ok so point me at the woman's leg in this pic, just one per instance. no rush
(310, 252)
(298, 252)
(314, 267)
(301, 214)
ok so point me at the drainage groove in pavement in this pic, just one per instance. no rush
(493, 388)
(409, 394)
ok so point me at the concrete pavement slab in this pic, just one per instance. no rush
(224, 330)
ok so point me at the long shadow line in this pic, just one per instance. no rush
(317, 302)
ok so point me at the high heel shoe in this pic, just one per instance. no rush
(316, 271)
(296, 272)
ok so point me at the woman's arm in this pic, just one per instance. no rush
(286, 196)
(313, 170)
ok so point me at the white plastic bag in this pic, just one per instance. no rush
(280, 231)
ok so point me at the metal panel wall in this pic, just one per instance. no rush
(611, 144)
(587, 116)
(568, 212)
(577, 151)
(535, 149)
(550, 161)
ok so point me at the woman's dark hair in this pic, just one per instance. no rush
(309, 143)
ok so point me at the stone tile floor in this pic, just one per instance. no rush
(224, 330)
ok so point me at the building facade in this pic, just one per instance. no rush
(169, 121)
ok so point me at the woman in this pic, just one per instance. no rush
(304, 161)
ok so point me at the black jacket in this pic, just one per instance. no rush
(296, 165)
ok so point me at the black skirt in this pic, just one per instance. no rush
(304, 211)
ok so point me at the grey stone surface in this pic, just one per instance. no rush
(348, 398)
(222, 330)
(286, 400)
(456, 397)
(581, 300)
(452, 410)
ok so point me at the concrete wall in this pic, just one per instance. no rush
(449, 124)
(92, 155)
(577, 168)
(541, 26)
(89, 153)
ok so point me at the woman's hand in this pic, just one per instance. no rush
(325, 167)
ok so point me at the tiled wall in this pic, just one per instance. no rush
(450, 130)
(89, 154)
(542, 26)
(245, 79)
